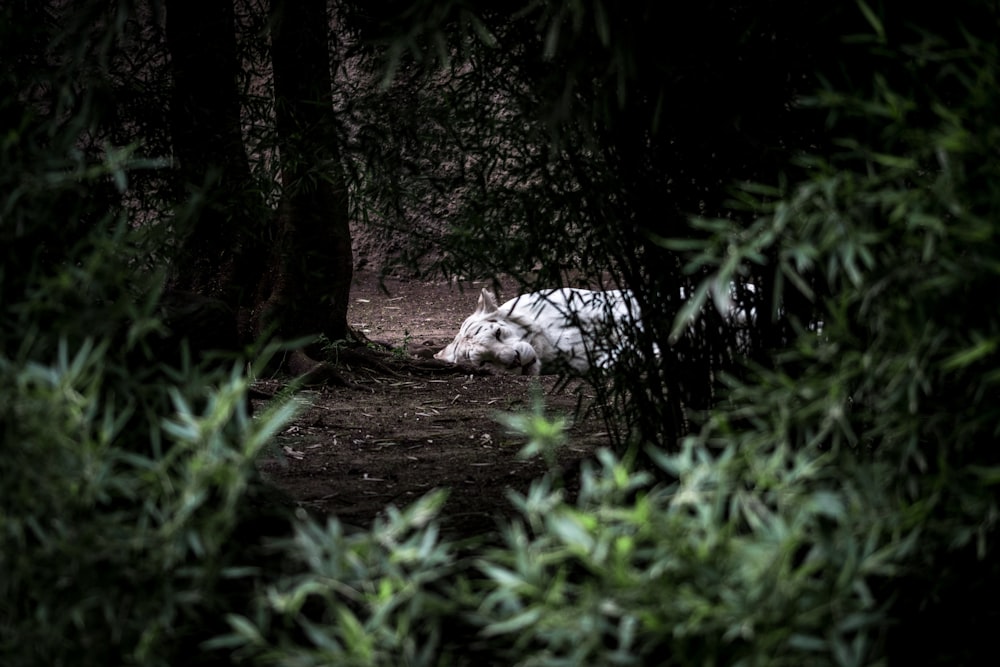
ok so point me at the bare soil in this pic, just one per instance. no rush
(406, 427)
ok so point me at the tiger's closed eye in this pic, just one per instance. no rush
(499, 334)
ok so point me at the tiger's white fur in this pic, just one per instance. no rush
(544, 332)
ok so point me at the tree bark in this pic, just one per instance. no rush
(311, 266)
(286, 274)
(219, 253)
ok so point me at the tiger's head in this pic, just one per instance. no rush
(488, 338)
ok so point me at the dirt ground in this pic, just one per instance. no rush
(395, 436)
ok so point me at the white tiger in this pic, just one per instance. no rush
(544, 332)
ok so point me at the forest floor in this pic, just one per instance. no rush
(394, 436)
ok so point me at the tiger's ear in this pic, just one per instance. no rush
(487, 304)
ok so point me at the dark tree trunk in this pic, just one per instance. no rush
(219, 254)
(288, 276)
(311, 266)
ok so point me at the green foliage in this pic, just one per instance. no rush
(752, 557)
(110, 556)
(894, 237)
(402, 351)
(127, 479)
(545, 435)
(836, 506)
(755, 555)
(362, 598)
(896, 240)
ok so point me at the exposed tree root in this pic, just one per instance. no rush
(312, 373)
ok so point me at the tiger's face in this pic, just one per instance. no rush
(487, 338)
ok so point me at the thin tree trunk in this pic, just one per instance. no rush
(216, 256)
(311, 265)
